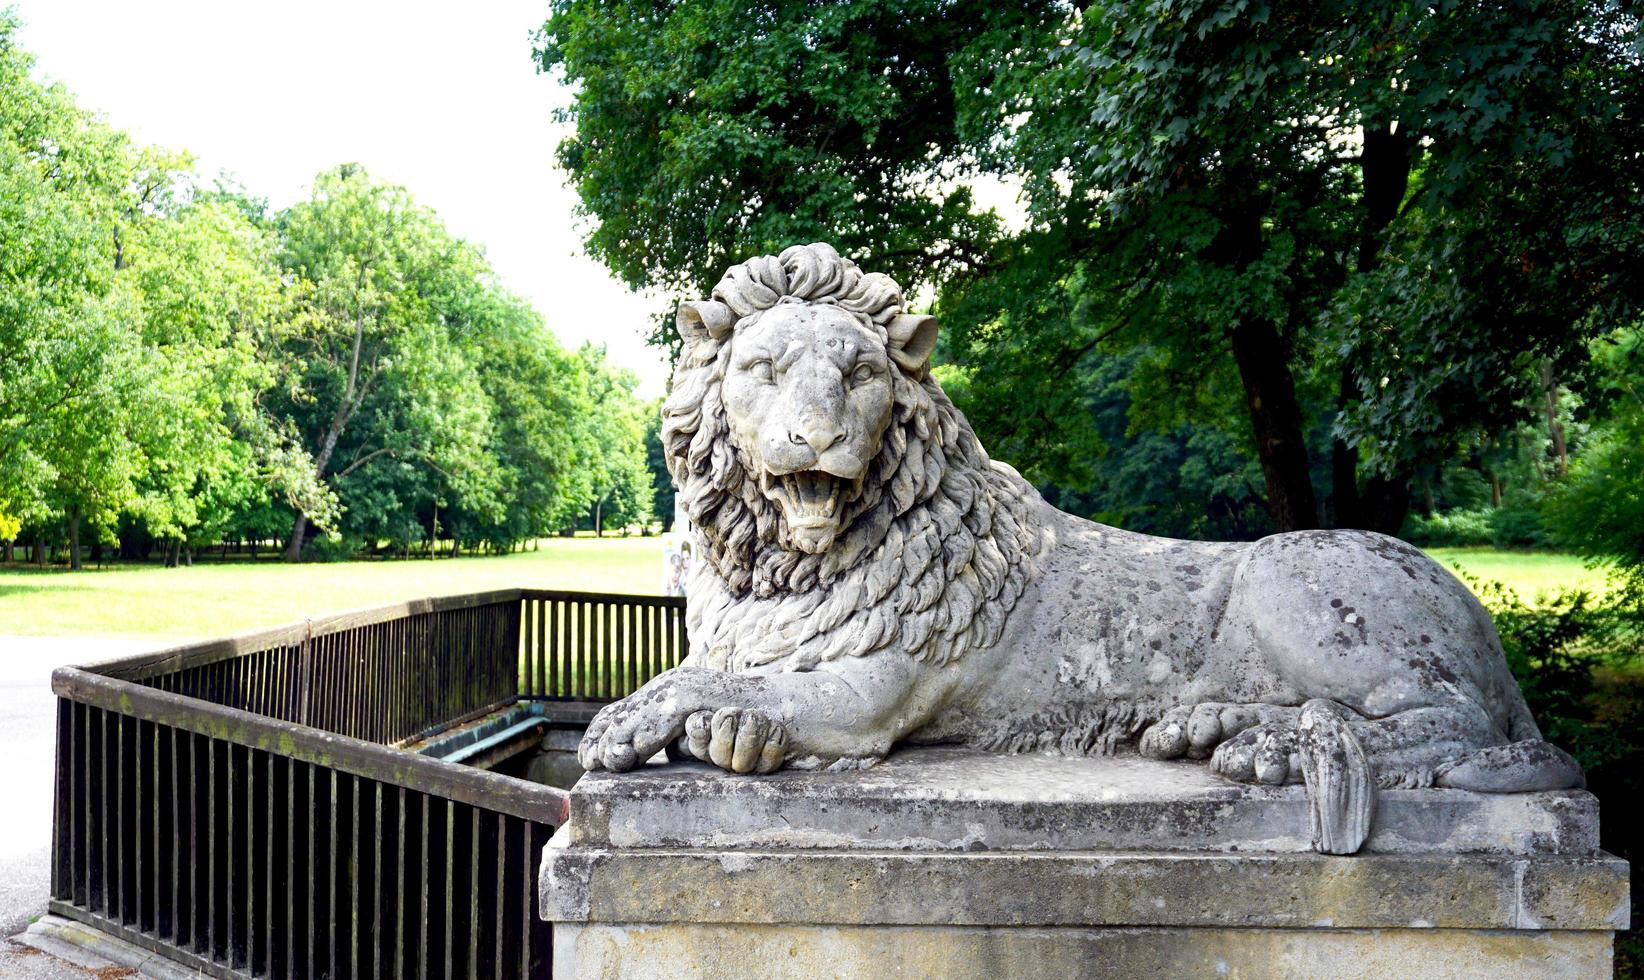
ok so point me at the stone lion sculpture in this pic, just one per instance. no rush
(868, 576)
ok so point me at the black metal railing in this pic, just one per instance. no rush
(581, 646)
(238, 805)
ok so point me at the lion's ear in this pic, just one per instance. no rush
(704, 318)
(911, 339)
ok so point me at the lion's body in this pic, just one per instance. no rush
(1118, 627)
(871, 577)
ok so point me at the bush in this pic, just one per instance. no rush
(1577, 661)
(1517, 527)
(1455, 529)
(1598, 511)
(1514, 526)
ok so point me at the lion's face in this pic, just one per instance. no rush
(808, 395)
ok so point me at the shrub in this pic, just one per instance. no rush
(1513, 526)
(1517, 527)
(1454, 529)
(1577, 660)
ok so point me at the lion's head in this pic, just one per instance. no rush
(808, 353)
(844, 504)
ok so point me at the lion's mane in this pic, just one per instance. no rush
(933, 554)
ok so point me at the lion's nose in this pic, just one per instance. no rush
(821, 434)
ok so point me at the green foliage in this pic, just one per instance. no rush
(1354, 238)
(427, 395)
(180, 367)
(1452, 529)
(706, 131)
(1555, 648)
(619, 474)
(1599, 509)
(1576, 659)
(65, 346)
(662, 482)
(1497, 527)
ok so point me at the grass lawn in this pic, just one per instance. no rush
(214, 599)
(1529, 573)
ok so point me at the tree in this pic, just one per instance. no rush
(620, 480)
(211, 297)
(373, 373)
(66, 350)
(662, 482)
(1367, 225)
(179, 366)
(706, 133)
(540, 400)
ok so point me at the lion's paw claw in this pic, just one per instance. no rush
(739, 740)
(1263, 754)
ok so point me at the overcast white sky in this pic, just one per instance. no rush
(440, 97)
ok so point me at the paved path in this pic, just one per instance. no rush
(27, 738)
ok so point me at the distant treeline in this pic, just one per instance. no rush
(182, 367)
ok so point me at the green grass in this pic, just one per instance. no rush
(214, 599)
(1529, 573)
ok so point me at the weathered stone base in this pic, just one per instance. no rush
(804, 952)
(1048, 867)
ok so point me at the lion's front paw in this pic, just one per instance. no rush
(1263, 754)
(628, 732)
(736, 739)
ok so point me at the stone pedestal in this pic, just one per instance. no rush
(949, 862)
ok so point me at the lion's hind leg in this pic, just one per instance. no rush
(1528, 766)
(1404, 750)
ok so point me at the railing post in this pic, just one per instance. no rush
(305, 670)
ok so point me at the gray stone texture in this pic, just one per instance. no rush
(958, 799)
(807, 953)
(948, 861)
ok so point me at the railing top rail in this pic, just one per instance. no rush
(199, 653)
(396, 767)
(630, 598)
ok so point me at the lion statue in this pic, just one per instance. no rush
(867, 576)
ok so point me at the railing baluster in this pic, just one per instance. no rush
(354, 878)
(399, 892)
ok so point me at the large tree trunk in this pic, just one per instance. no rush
(1263, 359)
(1381, 506)
(1346, 506)
(74, 537)
(40, 550)
(294, 545)
(1555, 428)
(1386, 503)
(1384, 168)
(11, 551)
(1276, 419)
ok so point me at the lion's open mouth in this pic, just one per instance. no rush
(809, 498)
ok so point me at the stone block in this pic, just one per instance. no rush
(956, 799)
(948, 861)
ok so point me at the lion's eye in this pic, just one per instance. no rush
(762, 371)
(862, 374)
